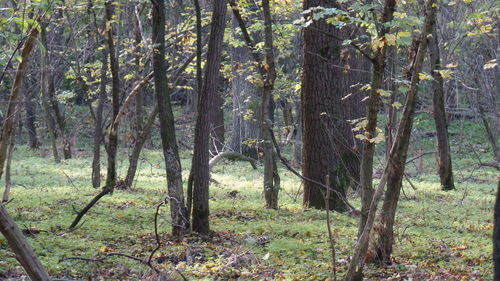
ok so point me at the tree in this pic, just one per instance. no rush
(178, 212)
(17, 242)
(267, 73)
(200, 169)
(329, 147)
(442, 139)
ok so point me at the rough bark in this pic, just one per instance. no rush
(443, 155)
(200, 168)
(180, 223)
(328, 141)
(17, 242)
(383, 238)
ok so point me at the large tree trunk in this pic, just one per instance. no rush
(17, 242)
(200, 169)
(328, 141)
(180, 223)
(112, 144)
(383, 238)
(443, 145)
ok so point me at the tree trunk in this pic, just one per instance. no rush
(180, 223)
(30, 109)
(47, 81)
(246, 116)
(383, 238)
(217, 131)
(17, 242)
(200, 169)
(443, 155)
(138, 145)
(10, 152)
(373, 108)
(112, 144)
(98, 122)
(271, 176)
(297, 144)
(328, 141)
(496, 236)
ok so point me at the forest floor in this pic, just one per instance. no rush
(438, 235)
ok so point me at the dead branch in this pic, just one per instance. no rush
(235, 156)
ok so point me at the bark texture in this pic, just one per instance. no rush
(180, 222)
(200, 168)
(328, 143)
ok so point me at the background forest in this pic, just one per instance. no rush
(250, 140)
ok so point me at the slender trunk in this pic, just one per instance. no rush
(139, 99)
(373, 107)
(98, 133)
(200, 169)
(17, 242)
(246, 117)
(138, 145)
(271, 176)
(383, 238)
(496, 236)
(30, 109)
(297, 144)
(112, 144)
(10, 152)
(217, 125)
(47, 81)
(180, 223)
(442, 139)
(199, 49)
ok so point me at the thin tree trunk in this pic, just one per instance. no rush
(180, 223)
(139, 144)
(217, 125)
(373, 108)
(112, 144)
(496, 236)
(199, 49)
(30, 109)
(10, 152)
(271, 176)
(17, 242)
(383, 238)
(200, 169)
(443, 155)
(98, 134)
(47, 81)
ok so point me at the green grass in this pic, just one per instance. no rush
(442, 234)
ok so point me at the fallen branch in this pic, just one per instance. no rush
(235, 156)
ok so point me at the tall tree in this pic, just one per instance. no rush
(328, 148)
(383, 238)
(112, 144)
(16, 239)
(178, 212)
(267, 71)
(200, 169)
(443, 156)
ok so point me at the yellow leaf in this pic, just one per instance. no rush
(391, 39)
(104, 249)
(445, 73)
(424, 76)
(452, 65)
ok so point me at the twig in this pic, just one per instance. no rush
(69, 179)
